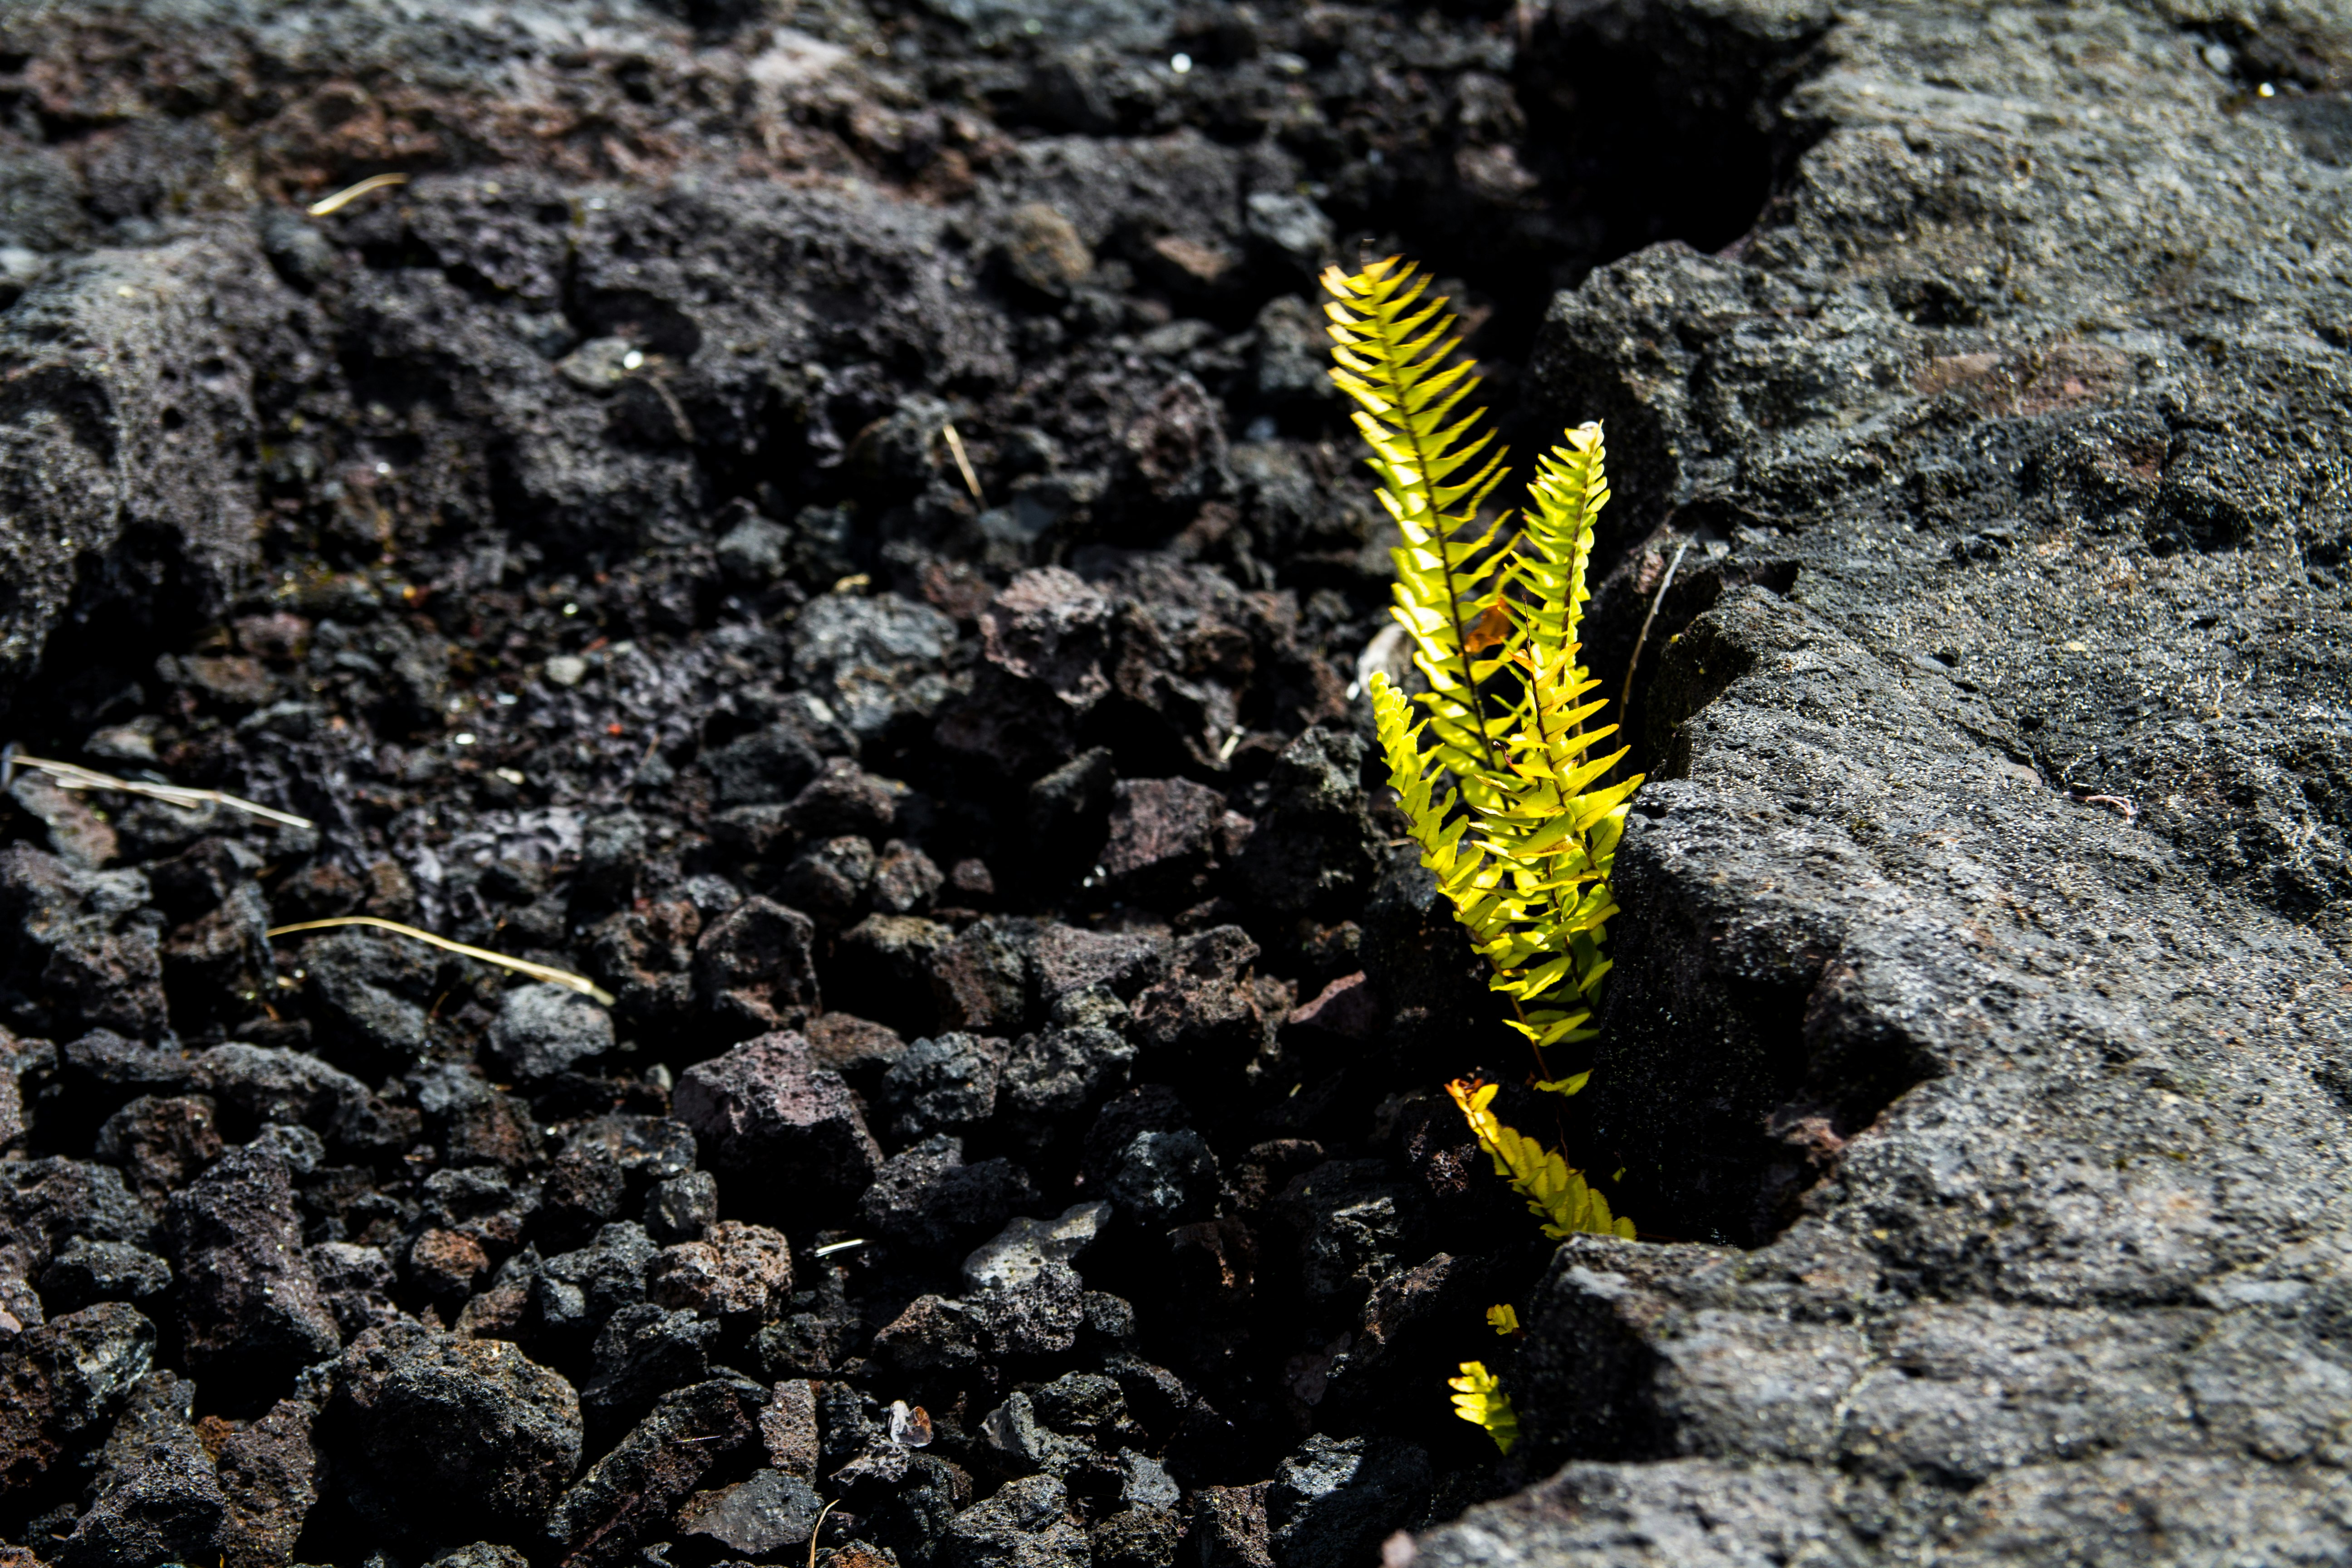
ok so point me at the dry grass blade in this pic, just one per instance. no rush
(815, 1529)
(963, 463)
(1625, 699)
(73, 775)
(350, 194)
(580, 983)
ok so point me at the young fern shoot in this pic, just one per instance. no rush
(1496, 765)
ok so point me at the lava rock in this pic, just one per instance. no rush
(882, 967)
(1027, 1524)
(753, 553)
(829, 879)
(1334, 1501)
(118, 1068)
(844, 798)
(1165, 837)
(768, 1513)
(355, 1284)
(876, 661)
(446, 1265)
(249, 1307)
(1352, 1222)
(50, 1200)
(943, 1084)
(1316, 850)
(922, 1507)
(1136, 1538)
(856, 1048)
(86, 1271)
(1023, 1446)
(683, 1207)
(476, 1124)
(1050, 1078)
(1020, 1252)
(268, 1473)
(789, 1430)
(766, 1110)
(480, 1554)
(161, 1141)
(1159, 1179)
(933, 1335)
(590, 1180)
(981, 980)
(1205, 1011)
(369, 996)
(613, 851)
(573, 1292)
(926, 1198)
(905, 880)
(1054, 627)
(545, 1029)
(269, 1084)
(1070, 959)
(753, 970)
(738, 1270)
(442, 1436)
(766, 766)
(1068, 811)
(62, 1379)
(1039, 1316)
(638, 1488)
(1229, 1527)
(71, 940)
(642, 1352)
(157, 1499)
(1043, 249)
(104, 333)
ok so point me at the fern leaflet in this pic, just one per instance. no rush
(1479, 1399)
(1556, 1192)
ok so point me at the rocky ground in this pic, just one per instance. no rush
(1023, 1010)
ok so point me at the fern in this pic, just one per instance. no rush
(1522, 841)
(1494, 766)
(1479, 1399)
(1556, 1192)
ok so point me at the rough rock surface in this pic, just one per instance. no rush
(1983, 961)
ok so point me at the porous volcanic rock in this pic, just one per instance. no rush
(827, 517)
(1980, 986)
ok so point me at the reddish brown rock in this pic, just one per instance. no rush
(766, 1110)
(249, 1306)
(753, 968)
(737, 1271)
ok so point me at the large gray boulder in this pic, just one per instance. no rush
(1980, 1000)
(125, 481)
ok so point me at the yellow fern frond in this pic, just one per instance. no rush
(1479, 1399)
(1523, 841)
(1503, 1319)
(1399, 359)
(1556, 1192)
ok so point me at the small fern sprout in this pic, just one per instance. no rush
(1504, 1320)
(1498, 764)
(1479, 1399)
(1498, 767)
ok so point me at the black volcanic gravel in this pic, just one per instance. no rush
(585, 549)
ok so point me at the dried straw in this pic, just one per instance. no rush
(350, 194)
(580, 983)
(963, 463)
(73, 775)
